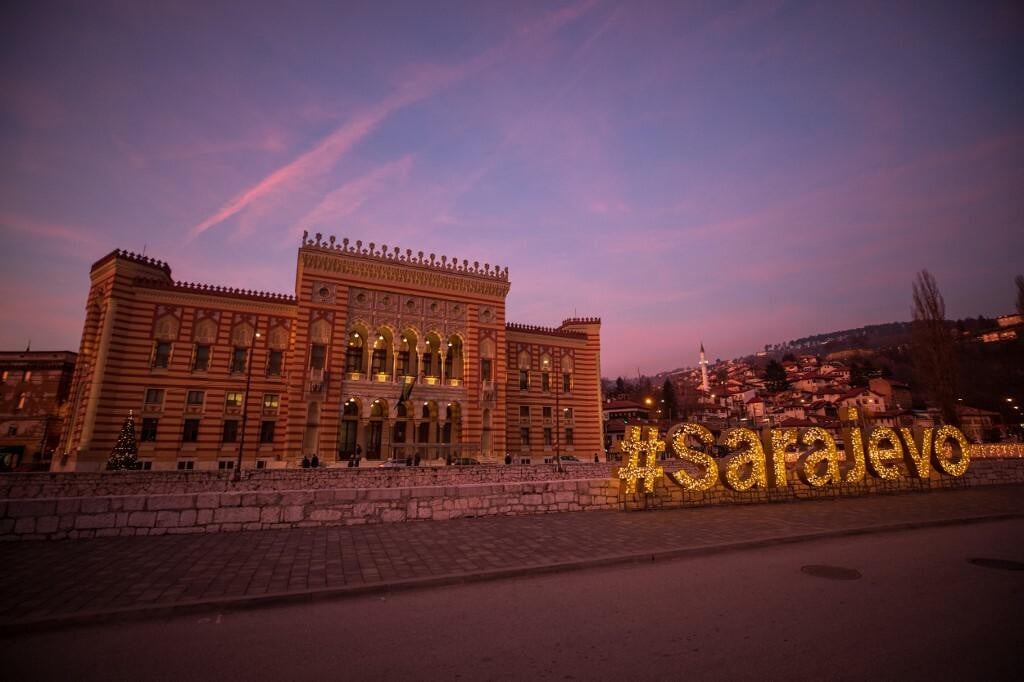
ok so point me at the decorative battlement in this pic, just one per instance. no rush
(135, 258)
(581, 320)
(536, 329)
(443, 264)
(196, 288)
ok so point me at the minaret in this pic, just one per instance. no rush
(703, 370)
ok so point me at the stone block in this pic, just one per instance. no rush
(293, 513)
(564, 496)
(207, 500)
(296, 497)
(106, 532)
(188, 517)
(230, 499)
(236, 515)
(252, 526)
(190, 530)
(325, 515)
(392, 515)
(68, 506)
(142, 519)
(25, 525)
(167, 519)
(270, 514)
(161, 502)
(230, 527)
(133, 503)
(203, 516)
(47, 524)
(345, 494)
(108, 520)
(17, 509)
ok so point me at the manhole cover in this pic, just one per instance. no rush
(998, 564)
(831, 572)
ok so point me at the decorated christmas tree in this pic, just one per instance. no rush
(123, 454)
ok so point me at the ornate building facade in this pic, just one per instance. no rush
(379, 355)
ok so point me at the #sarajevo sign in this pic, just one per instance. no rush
(760, 461)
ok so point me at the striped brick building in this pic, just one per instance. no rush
(379, 354)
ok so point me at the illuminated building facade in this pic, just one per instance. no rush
(379, 354)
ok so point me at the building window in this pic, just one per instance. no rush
(547, 437)
(238, 360)
(568, 437)
(524, 379)
(28, 376)
(274, 362)
(271, 401)
(403, 363)
(486, 369)
(146, 464)
(4, 375)
(567, 413)
(201, 361)
(12, 430)
(186, 464)
(524, 412)
(230, 432)
(162, 354)
(546, 411)
(545, 381)
(225, 464)
(377, 360)
(194, 398)
(190, 432)
(21, 403)
(154, 397)
(148, 434)
(566, 383)
(317, 356)
(524, 436)
(234, 399)
(267, 432)
(261, 464)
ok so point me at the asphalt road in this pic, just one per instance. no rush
(905, 605)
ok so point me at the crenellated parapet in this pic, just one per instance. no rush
(381, 265)
(537, 329)
(209, 289)
(134, 258)
(395, 255)
(581, 320)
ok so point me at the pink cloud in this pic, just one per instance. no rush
(348, 198)
(72, 234)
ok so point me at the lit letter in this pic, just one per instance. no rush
(633, 445)
(778, 441)
(697, 457)
(919, 450)
(808, 469)
(881, 456)
(752, 455)
(942, 450)
(854, 445)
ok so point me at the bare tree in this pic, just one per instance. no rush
(1019, 279)
(933, 346)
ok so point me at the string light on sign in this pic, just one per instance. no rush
(780, 441)
(752, 454)
(701, 459)
(884, 450)
(641, 442)
(943, 451)
(826, 452)
(919, 450)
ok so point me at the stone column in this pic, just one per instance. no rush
(96, 385)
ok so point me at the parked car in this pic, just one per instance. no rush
(462, 461)
(395, 462)
(568, 458)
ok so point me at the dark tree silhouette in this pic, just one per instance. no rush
(933, 346)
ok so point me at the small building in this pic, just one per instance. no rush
(34, 391)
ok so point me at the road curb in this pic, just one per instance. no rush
(146, 612)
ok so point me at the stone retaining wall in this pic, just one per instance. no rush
(209, 511)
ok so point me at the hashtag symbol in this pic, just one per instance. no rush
(641, 442)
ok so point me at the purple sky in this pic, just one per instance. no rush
(741, 174)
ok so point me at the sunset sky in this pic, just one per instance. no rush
(737, 173)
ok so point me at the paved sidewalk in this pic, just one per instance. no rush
(63, 582)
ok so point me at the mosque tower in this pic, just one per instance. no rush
(703, 370)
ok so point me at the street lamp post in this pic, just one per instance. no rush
(245, 404)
